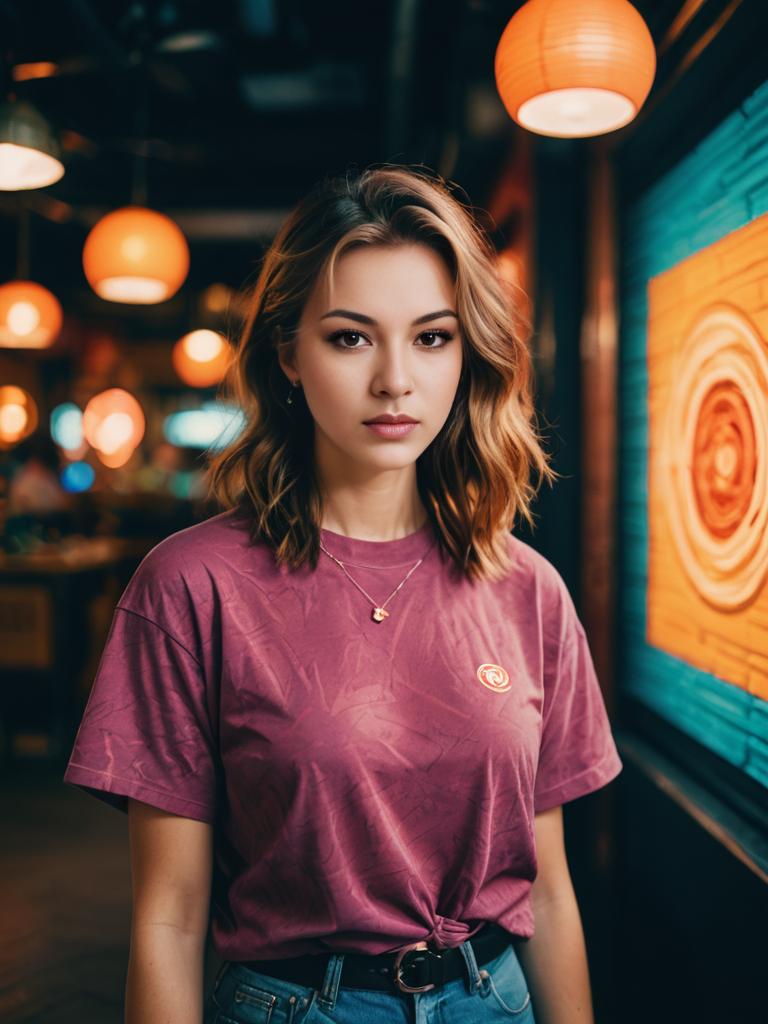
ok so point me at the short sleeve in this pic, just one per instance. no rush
(578, 753)
(146, 730)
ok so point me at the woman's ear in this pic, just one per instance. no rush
(284, 352)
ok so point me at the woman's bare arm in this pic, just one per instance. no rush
(171, 865)
(555, 959)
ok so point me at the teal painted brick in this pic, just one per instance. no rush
(757, 102)
(757, 759)
(757, 200)
(749, 169)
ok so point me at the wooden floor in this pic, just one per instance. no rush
(65, 899)
(64, 879)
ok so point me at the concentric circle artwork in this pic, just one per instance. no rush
(715, 458)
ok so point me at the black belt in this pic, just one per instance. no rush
(415, 968)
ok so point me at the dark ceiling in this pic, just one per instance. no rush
(230, 110)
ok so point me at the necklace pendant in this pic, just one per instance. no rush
(378, 614)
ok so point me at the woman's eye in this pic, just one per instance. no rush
(338, 335)
(344, 334)
(437, 334)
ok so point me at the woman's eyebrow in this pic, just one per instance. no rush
(363, 319)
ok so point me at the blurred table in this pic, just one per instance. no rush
(70, 554)
(56, 604)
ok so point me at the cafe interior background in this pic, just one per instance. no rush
(619, 157)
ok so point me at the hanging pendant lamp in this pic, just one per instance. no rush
(574, 68)
(136, 255)
(30, 156)
(30, 315)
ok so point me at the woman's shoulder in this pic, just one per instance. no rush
(537, 582)
(183, 571)
(186, 547)
(527, 559)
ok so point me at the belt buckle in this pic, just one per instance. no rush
(397, 969)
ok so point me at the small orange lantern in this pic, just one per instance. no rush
(30, 315)
(574, 68)
(18, 415)
(201, 358)
(136, 255)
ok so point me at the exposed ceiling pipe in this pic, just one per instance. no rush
(401, 55)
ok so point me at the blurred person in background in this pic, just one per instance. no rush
(35, 488)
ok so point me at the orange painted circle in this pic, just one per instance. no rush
(724, 462)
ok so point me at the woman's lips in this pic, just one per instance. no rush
(391, 429)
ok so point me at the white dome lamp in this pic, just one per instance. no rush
(30, 156)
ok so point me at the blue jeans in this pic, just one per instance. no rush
(491, 994)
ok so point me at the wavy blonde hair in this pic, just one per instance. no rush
(474, 478)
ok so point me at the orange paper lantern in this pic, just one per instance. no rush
(30, 315)
(574, 68)
(201, 358)
(136, 255)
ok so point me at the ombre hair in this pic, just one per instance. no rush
(474, 479)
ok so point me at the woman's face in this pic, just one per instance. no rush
(386, 340)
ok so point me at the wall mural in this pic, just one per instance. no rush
(708, 459)
(693, 441)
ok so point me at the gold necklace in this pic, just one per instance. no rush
(378, 613)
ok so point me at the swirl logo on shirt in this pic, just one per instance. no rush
(494, 677)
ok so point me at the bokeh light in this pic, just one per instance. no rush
(30, 315)
(217, 297)
(67, 425)
(18, 415)
(77, 477)
(201, 358)
(114, 424)
(212, 426)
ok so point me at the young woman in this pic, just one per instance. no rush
(343, 714)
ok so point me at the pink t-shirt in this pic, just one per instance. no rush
(371, 783)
